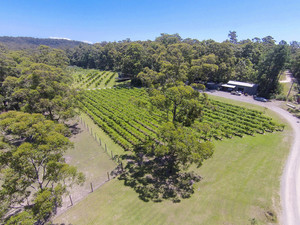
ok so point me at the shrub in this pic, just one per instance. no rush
(281, 97)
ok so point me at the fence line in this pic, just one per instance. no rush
(113, 157)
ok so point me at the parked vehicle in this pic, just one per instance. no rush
(260, 99)
(236, 93)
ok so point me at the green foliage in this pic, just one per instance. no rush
(88, 79)
(295, 64)
(269, 71)
(34, 174)
(133, 59)
(281, 97)
(41, 89)
(129, 118)
(50, 56)
(23, 218)
(149, 77)
(35, 81)
(181, 146)
(233, 37)
(245, 71)
(200, 87)
(182, 101)
(168, 59)
(21, 43)
(156, 169)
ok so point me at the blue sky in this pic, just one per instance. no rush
(115, 20)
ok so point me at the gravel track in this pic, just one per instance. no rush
(290, 180)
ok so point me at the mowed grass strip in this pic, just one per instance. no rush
(105, 139)
(240, 182)
(91, 160)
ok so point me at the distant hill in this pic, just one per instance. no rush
(17, 43)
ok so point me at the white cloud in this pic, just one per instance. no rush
(60, 38)
(88, 42)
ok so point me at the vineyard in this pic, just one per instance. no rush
(128, 118)
(89, 79)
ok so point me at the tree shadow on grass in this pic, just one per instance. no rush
(74, 128)
(153, 180)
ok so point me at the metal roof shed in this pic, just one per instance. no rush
(228, 86)
(244, 87)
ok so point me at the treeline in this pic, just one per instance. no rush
(294, 63)
(18, 43)
(169, 58)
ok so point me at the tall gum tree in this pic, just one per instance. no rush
(34, 174)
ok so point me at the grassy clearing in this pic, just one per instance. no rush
(240, 182)
(90, 159)
(88, 156)
(105, 139)
(283, 76)
(286, 88)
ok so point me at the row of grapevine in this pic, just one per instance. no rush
(115, 111)
(94, 78)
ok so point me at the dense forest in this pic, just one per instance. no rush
(18, 43)
(171, 58)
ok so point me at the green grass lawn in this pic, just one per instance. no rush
(105, 139)
(90, 159)
(282, 76)
(239, 183)
(286, 88)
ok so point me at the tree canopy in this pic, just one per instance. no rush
(157, 170)
(182, 101)
(168, 58)
(171, 58)
(34, 174)
(37, 82)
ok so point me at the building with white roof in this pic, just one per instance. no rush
(243, 87)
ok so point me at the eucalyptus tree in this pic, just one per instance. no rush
(34, 174)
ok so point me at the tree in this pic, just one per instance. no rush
(34, 174)
(282, 42)
(132, 61)
(51, 56)
(203, 69)
(295, 45)
(41, 89)
(256, 40)
(295, 65)
(180, 147)
(158, 170)
(269, 71)
(7, 69)
(244, 71)
(167, 39)
(149, 77)
(182, 101)
(233, 37)
(268, 40)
